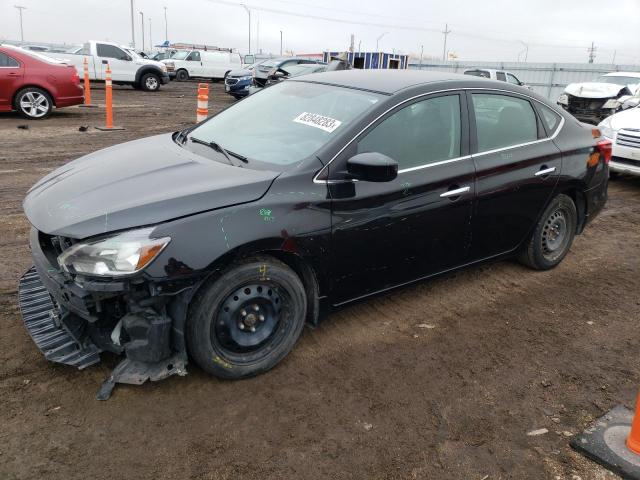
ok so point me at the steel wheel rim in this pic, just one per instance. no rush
(151, 83)
(555, 234)
(250, 322)
(34, 104)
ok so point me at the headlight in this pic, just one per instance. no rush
(122, 254)
(606, 130)
(631, 103)
(563, 99)
(611, 103)
(164, 68)
(248, 77)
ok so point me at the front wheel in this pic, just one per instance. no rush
(150, 82)
(248, 319)
(33, 103)
(553, 235)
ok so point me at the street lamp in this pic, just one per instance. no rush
(378, 40)
(20, 9)
(280, 42)
(166, 30)
(249, 13)
(150, 40)
(142, 17)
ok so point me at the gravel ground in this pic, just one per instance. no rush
(440, 380)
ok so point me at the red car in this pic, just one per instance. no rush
(33, 84)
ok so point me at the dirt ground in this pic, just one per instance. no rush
(440, 380)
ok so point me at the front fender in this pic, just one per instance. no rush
(148, 69)
(289, 218)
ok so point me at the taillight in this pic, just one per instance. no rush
(605, 148)
(75, 78)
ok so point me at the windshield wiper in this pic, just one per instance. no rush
(218, 148)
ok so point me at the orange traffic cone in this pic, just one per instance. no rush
(203, 102)
(108, 100)
(633, 440)
(87, 85)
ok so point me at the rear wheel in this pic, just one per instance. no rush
(150, 82)
(553, 235)
(248, 319)
(33, 103)
(182, 75)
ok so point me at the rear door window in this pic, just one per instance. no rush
(501, 76)
(8, 62)
(503, 121)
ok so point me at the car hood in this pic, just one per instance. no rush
(594, 90)
(627, 119)
(239, 73)
(137, 183)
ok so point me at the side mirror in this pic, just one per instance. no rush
(372, 167)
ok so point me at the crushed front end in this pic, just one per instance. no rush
(72, 317)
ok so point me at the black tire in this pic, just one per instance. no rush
(33, 103)
(182, 75)
(259, 293)
(150, 82)
(552, 238)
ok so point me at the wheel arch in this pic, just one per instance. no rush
(147, 69)
(580, 201)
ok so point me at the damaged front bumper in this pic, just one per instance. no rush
(73, 319)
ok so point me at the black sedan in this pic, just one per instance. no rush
(222, 240)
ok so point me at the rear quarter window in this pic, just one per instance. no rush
(550, 118)
(7, 61)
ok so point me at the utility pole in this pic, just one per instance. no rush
(166, 30)
(613, 61)
(20, 9)
(142, 20)
(421, 54)
(248, 13)
(280, 42)
(258, 35)
(133, 30)
(444, 49)
(150, 41)
(592, 52)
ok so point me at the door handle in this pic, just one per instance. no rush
(545, 171)
(455, 192)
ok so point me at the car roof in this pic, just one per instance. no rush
(622, 74)
(390, 81)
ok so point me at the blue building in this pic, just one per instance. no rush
(372, 60)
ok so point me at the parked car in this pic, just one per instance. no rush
(219, 242)
(126, 68)
(267, 68)
(292, 71)
(500, 75)
(33, 84)
(163, 55)
(592, 102)
(212, 64)
(623, 129)
(238, 82)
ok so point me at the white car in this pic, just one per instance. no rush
(623, 129)
(214, 64)
(592, 102)
(493, 74)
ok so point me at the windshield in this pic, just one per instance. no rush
(180, 55)
(271, 63)
(287, 122)
(133, 53)
(619, 80)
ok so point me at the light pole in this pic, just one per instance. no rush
(20, 9)
(142, 22)
(280, 42)
(421, 54)
(378, 40)
(249, 13)
(446, 32)
(166, 29)
(526, 50)
(150, 40)
(133, 28)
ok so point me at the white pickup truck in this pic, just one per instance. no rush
(127, 68)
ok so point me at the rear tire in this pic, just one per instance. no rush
(248, 319)
(182, 75)
(552, 238)
(33, 103)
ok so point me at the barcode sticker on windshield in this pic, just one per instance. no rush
(319, 121)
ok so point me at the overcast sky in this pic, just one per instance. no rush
(555, 30)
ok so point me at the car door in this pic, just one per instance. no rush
(122, 67)
(517, 169)
(384, 234)
(11, 73)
